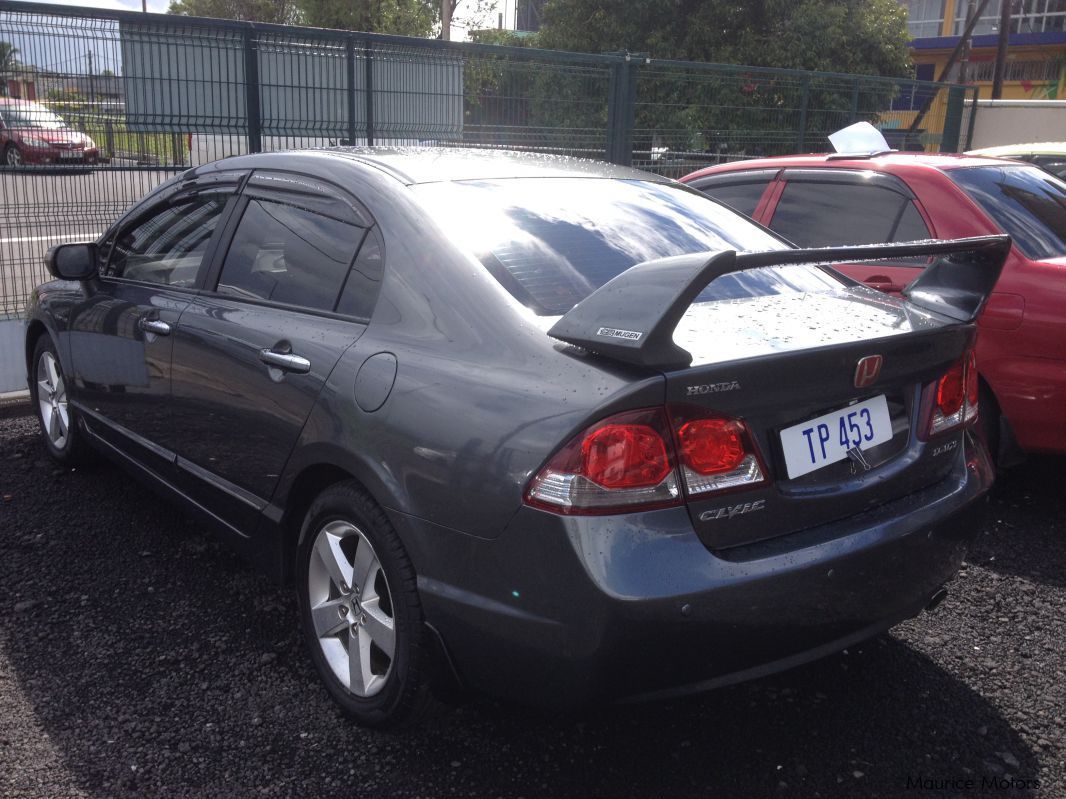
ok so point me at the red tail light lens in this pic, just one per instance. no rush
(716, 453)
(625, 456)
(955, 397)
(621, 464)
(711, 446)
(951, 390)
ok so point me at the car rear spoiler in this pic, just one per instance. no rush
(632, 318)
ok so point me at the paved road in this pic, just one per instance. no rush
(40, 207)
(140, 658)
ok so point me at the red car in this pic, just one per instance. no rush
(31, 134)
(822, 200)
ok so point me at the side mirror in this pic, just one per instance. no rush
(72, 261)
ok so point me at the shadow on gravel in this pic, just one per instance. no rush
(155, 663)
(1026, 531)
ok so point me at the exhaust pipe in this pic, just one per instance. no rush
(938, 596)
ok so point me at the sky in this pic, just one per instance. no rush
(160, 7)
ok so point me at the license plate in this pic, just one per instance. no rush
(69, 154)
(827, 439)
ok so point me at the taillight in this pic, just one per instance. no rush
(620, 464)
(954, 401)
(715, 452)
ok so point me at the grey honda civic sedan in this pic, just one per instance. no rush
(545, 428)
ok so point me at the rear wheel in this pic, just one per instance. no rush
(360, 611)
(13, 156)
(58, 419)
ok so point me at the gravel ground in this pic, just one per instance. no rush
(139, 657)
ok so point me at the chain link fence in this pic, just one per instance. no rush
(99, 106)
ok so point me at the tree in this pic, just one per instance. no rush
(8, 57)
(402, 17)
(281, 12)
(856, 36)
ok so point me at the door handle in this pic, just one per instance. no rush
(286, 361)
(157, 326)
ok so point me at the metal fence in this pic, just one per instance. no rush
(157, 94)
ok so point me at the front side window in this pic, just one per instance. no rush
(831, 214)
(290, 255)
(1024, 201)
(553, 241)
(168, 246)
(742, 197)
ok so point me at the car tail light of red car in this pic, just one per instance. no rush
(638, 460)
(954, 397)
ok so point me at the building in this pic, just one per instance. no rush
(1036, 55)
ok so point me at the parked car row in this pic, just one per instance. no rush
(554, 430)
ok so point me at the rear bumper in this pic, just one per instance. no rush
(560, 611)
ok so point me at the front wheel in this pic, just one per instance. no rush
(360, 611)
(13, 156)
(57, 417)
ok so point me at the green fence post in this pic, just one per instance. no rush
(368, 66)
(801, 128)
(251, 92)
(621, 112)
(949, 140)
(855, 101)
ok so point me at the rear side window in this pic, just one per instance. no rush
(1025, 202)
(553, 241)
(290, 255)
(828, 214)
(168, 246)
(742, 197)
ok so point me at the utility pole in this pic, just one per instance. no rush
(1001, 49)
(964, 58)
(446, 20)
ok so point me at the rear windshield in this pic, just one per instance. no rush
(1026, 202)
(553, 241)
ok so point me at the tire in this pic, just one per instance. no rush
(63, 439)
(365, 634)
(13, 156)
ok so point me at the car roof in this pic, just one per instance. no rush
(413, 165)
(887, 162)
(1036, 148)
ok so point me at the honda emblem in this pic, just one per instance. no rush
(867, 370)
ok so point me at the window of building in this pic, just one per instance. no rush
(925, 18)
(1028, 16)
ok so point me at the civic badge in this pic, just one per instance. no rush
(867, 370)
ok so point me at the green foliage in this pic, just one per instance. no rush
(281, 12)
(855, 36)
(742, 110)
(402, 17)
(8, 56)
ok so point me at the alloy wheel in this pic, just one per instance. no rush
(14, 156)
(52, 400)
(351, 608)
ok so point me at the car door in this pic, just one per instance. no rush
(120, 334)
(252, 352)
(829, 207)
